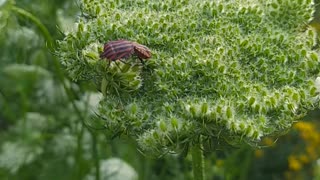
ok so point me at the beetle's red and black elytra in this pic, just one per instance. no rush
(123, 49)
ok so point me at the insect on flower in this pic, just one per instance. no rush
(123, 49)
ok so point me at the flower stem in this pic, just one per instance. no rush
(95, 154)
(197, 162)
(37, 22)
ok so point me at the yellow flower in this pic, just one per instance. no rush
(303, 126)
(304, 158)
(311, 152)
(219, 162)
(258, 153)
(268, 141)
(294, 163)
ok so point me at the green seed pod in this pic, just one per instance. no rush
(163, 126)
(204, 108)
(174, 123)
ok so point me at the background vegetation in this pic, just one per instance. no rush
(45, 132)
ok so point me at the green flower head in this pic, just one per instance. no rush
(229, 71)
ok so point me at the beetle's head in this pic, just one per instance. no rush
(142, 51)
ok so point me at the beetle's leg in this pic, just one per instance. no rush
(122, 61)
(109, 63)
(117, 64)
(142, 62)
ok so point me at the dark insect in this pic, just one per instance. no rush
(123, 49)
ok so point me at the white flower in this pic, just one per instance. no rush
(317, 84)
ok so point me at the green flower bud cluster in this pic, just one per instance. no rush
(230, 71)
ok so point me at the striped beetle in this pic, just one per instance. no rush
(123, 49)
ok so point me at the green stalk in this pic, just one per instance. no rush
(95, 154)
(197, 162)
(78, 156)
(37, 22)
